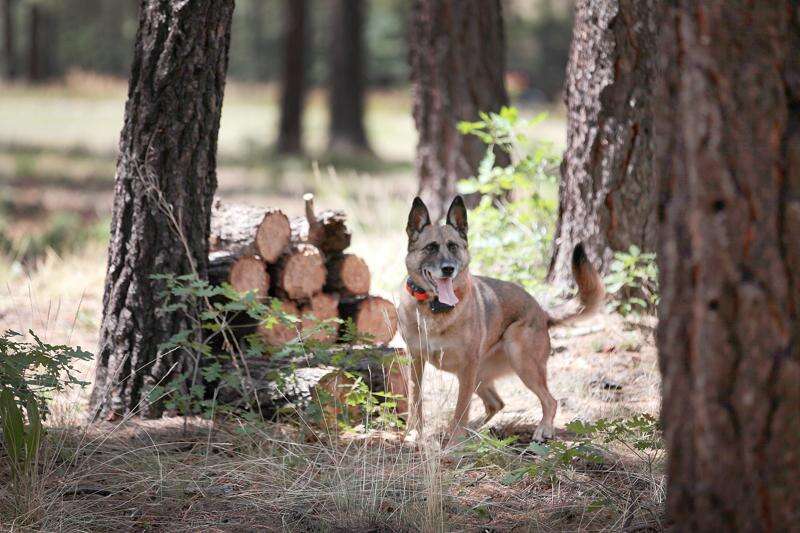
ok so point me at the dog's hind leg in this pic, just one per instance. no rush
(527, 353)
(492, 403)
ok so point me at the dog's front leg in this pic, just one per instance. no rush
(415, 418)
(467, 381)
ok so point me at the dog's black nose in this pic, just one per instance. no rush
(448, 270)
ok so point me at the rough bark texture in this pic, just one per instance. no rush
(165, 182)
(248, 230)
(607, 192)
(294, 73)
(346, 133)
(35, 66)
(327, 230)
(457, 57)
(728, 159)
(9, 51)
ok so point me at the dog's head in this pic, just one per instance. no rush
(437, 254)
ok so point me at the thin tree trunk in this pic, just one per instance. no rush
(294, 83)
(457, 57)
(35, 72)
(166, 178)
(347, 78)
(607, 186)
(9, 52)
(728, 159)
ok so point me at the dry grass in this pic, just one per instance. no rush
(237, 476)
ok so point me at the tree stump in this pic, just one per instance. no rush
(372, 315)
(320, 307)
(248, 230)
(348, 275)
(299, 273)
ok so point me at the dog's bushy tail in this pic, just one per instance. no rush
(590, 289)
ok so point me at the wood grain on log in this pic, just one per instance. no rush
(348, 275)
(320, 307)
(372, 315)
(249, 230)
(280, 332)
(299, 273)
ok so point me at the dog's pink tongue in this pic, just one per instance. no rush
(444, 286)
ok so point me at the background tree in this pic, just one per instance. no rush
(729, 257)
(346, 78)
(166, 178)
(457, 58)
(294, 74)
(35, 38)
(9, 51)
(607, 187)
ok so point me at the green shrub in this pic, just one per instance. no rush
(633, 280)
(511, 230)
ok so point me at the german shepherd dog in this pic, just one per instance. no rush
(475, 327)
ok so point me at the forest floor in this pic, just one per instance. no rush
(56, 177)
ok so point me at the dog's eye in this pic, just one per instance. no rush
(453, 247)
(432, 247)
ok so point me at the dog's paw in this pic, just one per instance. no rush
(543, 432)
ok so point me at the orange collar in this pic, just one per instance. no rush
(421, 295)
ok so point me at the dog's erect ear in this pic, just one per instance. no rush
(418, 218)
(457, 216)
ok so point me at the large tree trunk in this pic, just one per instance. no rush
(728, 160)
(35, 67)
(346, 79)
(607, 186)
(294, 83)
(165, 182)
(9, 53)
(457, 57)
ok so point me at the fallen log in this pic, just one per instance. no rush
(327, 230)
(248, 230)
(299, 273)
(293, 387)
(373, 315)
(320, 307)
(348, 275)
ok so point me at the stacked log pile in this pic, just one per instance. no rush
(303, 262)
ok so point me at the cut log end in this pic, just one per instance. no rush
(372, 315)
(273, 235)
(320, 307)
(280, 333)
(300, 273)
(348, 275)
(249, 274)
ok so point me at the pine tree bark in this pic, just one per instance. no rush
(35, 71)
(347, 79)
(294, 83)
(9, 51)
(165, 182)
(728, 160)
(607, 188)
(457, 58)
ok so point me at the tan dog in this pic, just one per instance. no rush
(475, 327)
